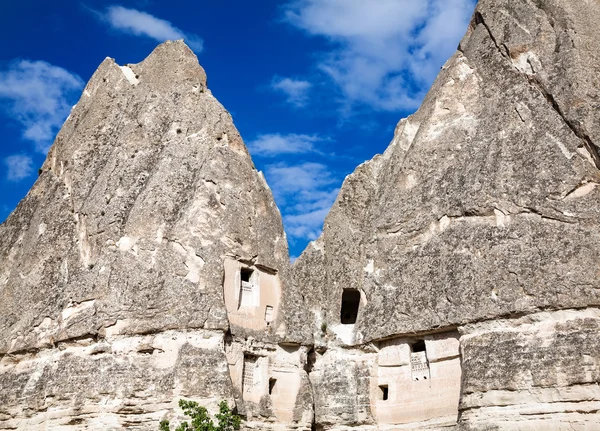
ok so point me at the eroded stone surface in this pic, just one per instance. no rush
(455, 285)
(483, 207)
(112, 267)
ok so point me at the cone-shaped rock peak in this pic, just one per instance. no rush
(455, 285)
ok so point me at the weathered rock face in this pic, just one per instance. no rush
(455, 285)
(481, 216)
(112, 268)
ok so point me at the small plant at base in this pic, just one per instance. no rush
(201, 421)
(228, 421)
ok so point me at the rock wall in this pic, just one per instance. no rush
(112, 267)
(481, 217)
(455, 285)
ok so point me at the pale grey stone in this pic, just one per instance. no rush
(147, 189)
(484, 206)
(469, 250)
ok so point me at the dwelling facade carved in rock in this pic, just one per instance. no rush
(454, 286)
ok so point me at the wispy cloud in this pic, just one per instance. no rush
(295, 90)
(385, 53)
(138, 23)
(306, 192)
(274, 144)
(19, 167)
(305, 221)
(39, 96)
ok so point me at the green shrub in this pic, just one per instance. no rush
(201, 421)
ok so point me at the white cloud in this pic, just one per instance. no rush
(19, 167)
(305, 221)
(295, 90)
(297, 178)
(306, 192)
(385, 53)
(273, 144)
(139, 23)
(40, 97)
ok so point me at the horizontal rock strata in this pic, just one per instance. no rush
(112, 267)
(455, 285)
(481, 212)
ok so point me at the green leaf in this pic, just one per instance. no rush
(201, 421)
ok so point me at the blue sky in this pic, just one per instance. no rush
(315, 87)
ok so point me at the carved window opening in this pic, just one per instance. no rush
(418, 361)
(246, 274)
(248, 373)
(350, 304)
(383, 392)
(246, 287)
(272, 385)
(419, 346)
(268, 314)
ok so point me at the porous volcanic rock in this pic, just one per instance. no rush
(481, 216)
(111, 269)
(455, 285)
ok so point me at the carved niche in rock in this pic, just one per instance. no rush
(268, 378)
(417, 380)
(252, 295)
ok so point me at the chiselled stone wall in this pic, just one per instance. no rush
(455, 285)
(478, 222)
(112, 297)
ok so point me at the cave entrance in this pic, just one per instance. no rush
(246, 287)
(418, 361)
(383, 392)
(350, 304)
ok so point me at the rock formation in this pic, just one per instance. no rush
(455, 285)
(112, 267)
(475, 233)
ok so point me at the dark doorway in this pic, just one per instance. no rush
(350, 304)
(383, 392)
(246, 274)
(246, 287)
(419, 346)
(272, 385)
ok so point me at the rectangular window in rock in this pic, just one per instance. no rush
(248, 373)
(246, 288)
(350, 304)
(272, 385)
(418, 361)
(383, 392)
(268, 314)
